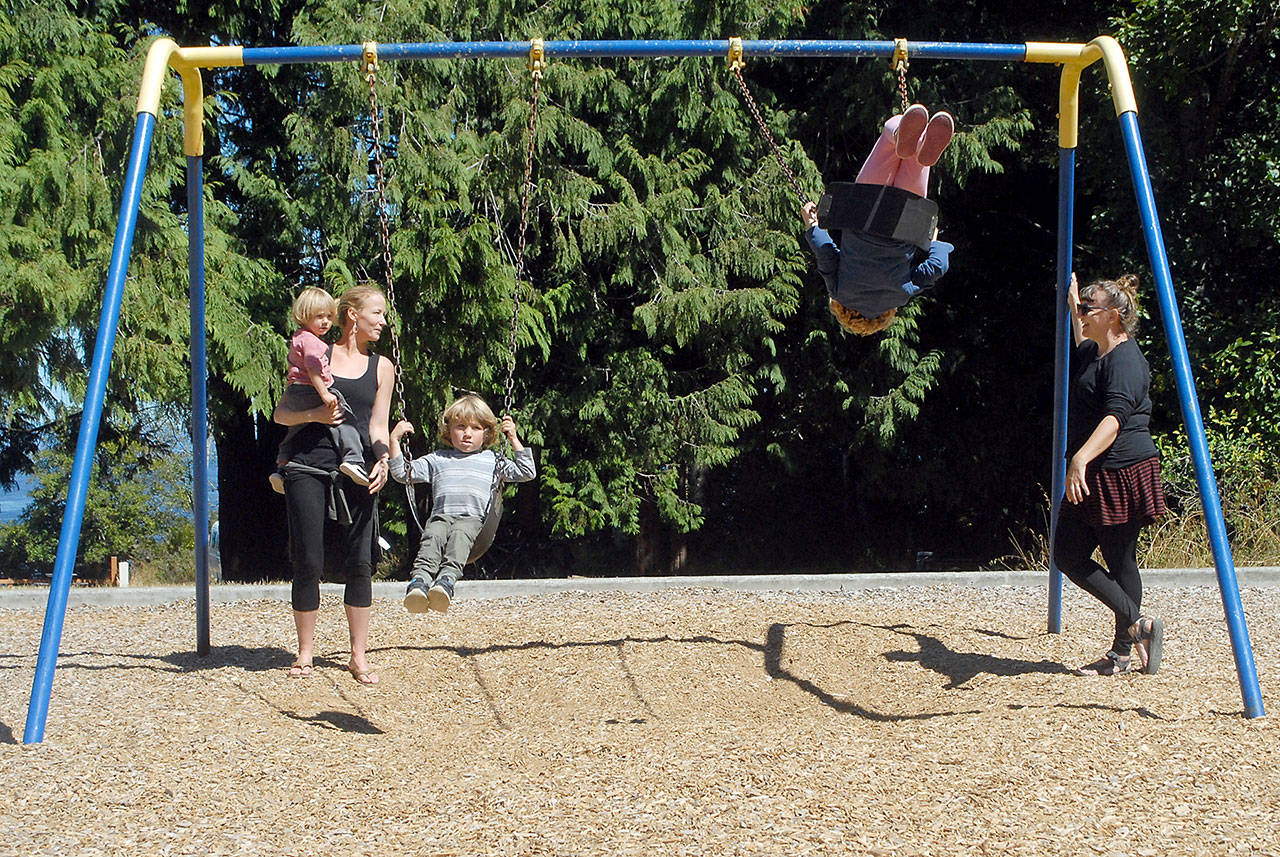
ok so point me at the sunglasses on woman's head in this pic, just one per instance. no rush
(1085, 309)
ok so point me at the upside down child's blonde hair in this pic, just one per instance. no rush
(857, 323)
(470, 407)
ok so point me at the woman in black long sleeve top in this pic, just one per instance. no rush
(1113, 486)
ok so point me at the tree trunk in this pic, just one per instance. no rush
(660, 550)
(252, 526)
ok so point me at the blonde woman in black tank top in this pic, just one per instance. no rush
(366, 381)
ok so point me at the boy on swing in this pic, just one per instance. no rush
(462, 483)
(870, 275)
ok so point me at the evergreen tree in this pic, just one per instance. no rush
(675, 362)
(138, 504)
(72, 84)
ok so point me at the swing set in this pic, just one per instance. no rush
(493, 510)
(164, 54)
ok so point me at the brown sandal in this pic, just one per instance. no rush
(1107, 665)
(363, 677)
(1148, 639)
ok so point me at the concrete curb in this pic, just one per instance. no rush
(30, 597)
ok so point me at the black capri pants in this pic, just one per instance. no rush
(306, 499)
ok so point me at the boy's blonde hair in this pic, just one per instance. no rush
(470, 407)
(310, 302)
(857, 323)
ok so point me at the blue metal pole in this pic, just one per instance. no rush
(199, 398)
(90, 418)
(636, 48)
(1061, 363)
(1191, 418)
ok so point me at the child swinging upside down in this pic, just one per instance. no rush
(461, 486)
(869, 276)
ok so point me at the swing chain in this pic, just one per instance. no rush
(900, 65)
(370, 68)
(536, 66)
(371, 77)
(735, 65)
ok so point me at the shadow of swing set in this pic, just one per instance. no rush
(932, 655)
(1073, 58)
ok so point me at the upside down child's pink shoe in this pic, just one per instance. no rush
(907, 137)
(937, 134)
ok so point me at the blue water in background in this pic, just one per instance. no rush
(13, 502)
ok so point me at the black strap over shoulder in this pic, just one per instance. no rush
(880, 210)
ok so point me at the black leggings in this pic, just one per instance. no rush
(306, 497)
(1119, 585)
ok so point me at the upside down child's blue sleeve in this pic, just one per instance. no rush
(826, 253)
(931, 269)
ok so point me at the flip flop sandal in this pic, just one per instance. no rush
(1107, 665)
(368, 677)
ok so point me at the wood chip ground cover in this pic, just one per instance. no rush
(919, 721)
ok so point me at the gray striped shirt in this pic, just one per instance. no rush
(461, 482)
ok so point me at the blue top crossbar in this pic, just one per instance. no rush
(637, 48)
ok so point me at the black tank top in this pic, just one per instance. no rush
(360, 394)
(314, 444)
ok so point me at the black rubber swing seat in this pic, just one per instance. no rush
(880, 210)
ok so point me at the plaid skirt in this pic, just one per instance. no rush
(1133, 494)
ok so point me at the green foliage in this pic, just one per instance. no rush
(1246, 373)
(137, 506)
(55, 206)
(1247, 475)
(675, 360)
(61, 172)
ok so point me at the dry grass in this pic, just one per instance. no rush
(935, 721)
(1182, 541)
(1179, 539)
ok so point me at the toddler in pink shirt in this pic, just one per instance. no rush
(310, 384)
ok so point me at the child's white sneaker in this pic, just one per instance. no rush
(440, 595)
(354, 472)
(415, 597)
